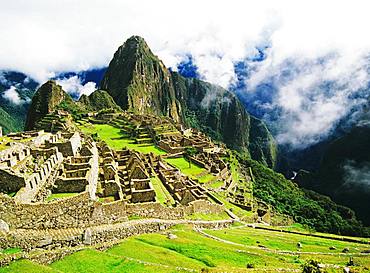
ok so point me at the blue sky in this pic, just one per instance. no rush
(278, 55)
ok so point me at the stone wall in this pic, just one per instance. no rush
(106, 234)
(63, 185)
(81, 211)
(69, 212)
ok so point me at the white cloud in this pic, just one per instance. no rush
(12, 95)
(74, 86)
(43, 37)
(313, 95)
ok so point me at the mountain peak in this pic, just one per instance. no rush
(138, 81)
(46, 99)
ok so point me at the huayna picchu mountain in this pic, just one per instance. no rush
(45, 101)
(139, 82)
(50, 97)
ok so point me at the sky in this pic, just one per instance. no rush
(315, 53)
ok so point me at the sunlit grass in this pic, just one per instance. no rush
(116, 139)
(182, 164)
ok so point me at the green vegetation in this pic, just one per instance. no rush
(306, 207)
(241, 213)
(232, 250)
(9, 123)
(98, 100)
(216, 184)
(183, 165)
(206, 178)
(95, 261)
(117, 139)
(54, 196)
(284, 241)
(212, 254)
(22, 266)
(11, 250)
(138, 249)
(162, 195)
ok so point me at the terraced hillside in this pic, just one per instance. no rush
(185, 249)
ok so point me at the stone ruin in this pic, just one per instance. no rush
(59, 178)
(182, 188)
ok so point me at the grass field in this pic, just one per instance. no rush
(183, 165)
(118, 140)
(244, 247)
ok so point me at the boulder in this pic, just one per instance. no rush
(88, 237)
(345, 250)
(4, 227)
(46, 241)
(171, 236)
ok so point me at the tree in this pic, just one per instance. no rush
(190, 151)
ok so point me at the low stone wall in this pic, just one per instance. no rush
(124, 230)
(80, 212)
(55, 239)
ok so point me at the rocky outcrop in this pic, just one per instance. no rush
(138, 81)
(46, 100)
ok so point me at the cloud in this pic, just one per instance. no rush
(73, 85)
(309, 96)
(357, 177)
(43, 37)
(12, 95)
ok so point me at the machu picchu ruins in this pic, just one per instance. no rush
(58, 177)
(155, 172)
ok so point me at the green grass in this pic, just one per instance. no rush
(243, 214)
(93, 261)
(117, 140)
(134, 217)
(192, 250)
(23, 266)
(162, 195)
(284, 241)
(135, 248)
(107, 199)
(11, 250)
(183, 165)
(216, 184)
(211, 253)
(54, 196)
(206, 178)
